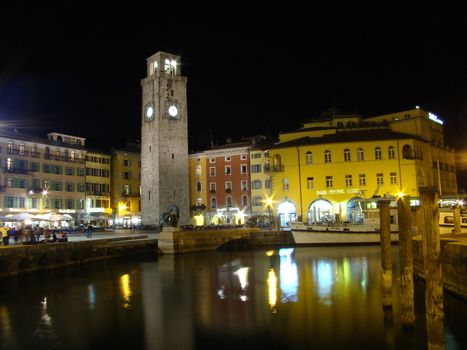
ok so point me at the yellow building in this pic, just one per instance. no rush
(98, 166)
(324, 171)
(198, 187)
(42, 175)
(126, 185)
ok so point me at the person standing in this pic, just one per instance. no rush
(89, 231)
(5, 237)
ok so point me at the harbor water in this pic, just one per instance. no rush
(289, 298)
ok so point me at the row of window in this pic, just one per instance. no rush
(255, 185)
(23, 166)
(243, 156)
(378, 153)
(97, 172)
(95, 159)
(228, 170)
(349, 181)
(47, 203)
(21, 150)
(39, 185)
(228, 201)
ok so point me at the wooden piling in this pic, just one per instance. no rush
(386, 258)
(433, 270)
(456, 213)
(406, 262)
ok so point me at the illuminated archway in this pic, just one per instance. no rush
(355, 210)
(321, 211)
(287, 212)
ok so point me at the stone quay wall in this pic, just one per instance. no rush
(23, 259)
(453, 260)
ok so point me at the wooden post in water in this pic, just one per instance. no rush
(456, 213)
(386, 259)
(417, 221)
(433, 270)
(406, 262)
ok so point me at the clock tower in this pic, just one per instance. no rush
(164, 140)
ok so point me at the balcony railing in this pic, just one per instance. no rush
(17, 151)
(274, 169)
(16, 170)
(97, 193)
(130, 194)
(63, 158)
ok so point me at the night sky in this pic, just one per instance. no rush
(77, 69)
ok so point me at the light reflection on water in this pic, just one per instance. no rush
(324, 298)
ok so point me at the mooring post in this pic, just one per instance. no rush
(386, 255)
(433, 270)
(406, 262)
(456, 213)
(417, 221)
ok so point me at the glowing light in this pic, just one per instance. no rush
(121, 207)
(270, 253)
(242, 274)
(417, 107)
(125, 289)
(272, 289)
(45, 192)
(435, 118)
(400, 194)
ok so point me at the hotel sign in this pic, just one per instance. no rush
(339, 191)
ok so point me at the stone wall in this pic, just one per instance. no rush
(453, 260)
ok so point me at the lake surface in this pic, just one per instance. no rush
(291, 298)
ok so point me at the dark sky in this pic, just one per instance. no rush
(77, 68)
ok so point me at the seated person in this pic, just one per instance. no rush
(63, 237)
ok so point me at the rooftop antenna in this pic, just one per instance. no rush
(211, 138)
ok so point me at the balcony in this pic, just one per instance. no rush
(274, 168)
(130, 194)
(228, 190)
(97, 193)
(18, 152)
(21, 171)
(212, 191)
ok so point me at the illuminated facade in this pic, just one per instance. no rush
(198, 187)
(42, 175)
(126, 185)
(322, 171)
(98, 167)
(164, 139)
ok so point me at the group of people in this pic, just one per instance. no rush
(30, 235)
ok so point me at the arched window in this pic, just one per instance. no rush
(198, 186)
(21, 149)
(10, 147)
(407, 152)
(360, 155)
(213, 203)
(244, 200)
(347, 155)
(228, 201)
(377, 152)
(309, 157)
(47, 153)
(66, 154)
(391, 152)
(327, 156)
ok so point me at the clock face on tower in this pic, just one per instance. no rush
(172, 111)
(149, 112)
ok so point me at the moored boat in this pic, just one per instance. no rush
(337, 235)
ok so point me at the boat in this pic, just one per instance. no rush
(338, 235)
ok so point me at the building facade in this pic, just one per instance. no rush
(42, 175)
(126, 185)
(98, 170)
(328, 170)
(164, 136)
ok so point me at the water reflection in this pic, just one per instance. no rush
(299, 298)
(125, 289)
(272, 290)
